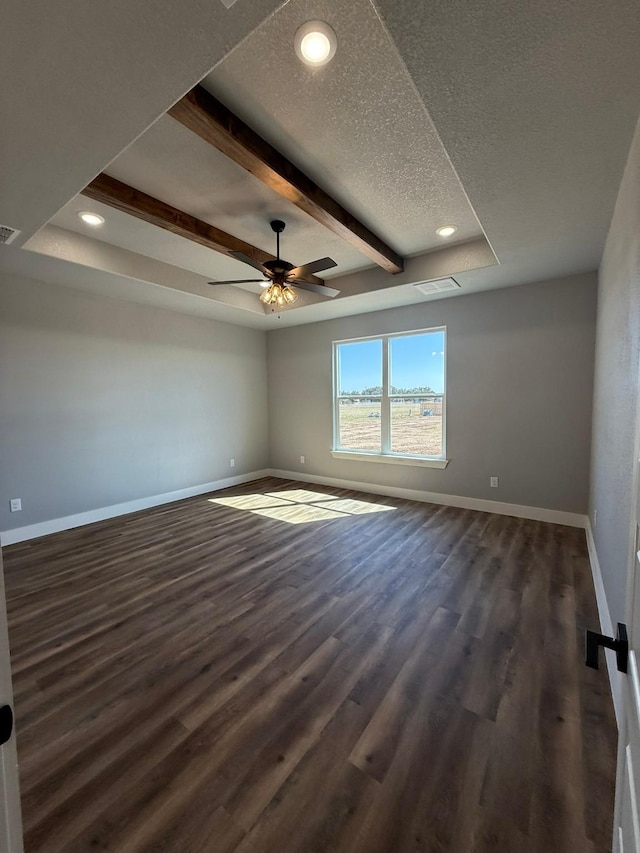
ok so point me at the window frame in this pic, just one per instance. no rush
(386, 454)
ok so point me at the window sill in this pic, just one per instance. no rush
(419, 461)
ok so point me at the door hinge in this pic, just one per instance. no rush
(619, 644)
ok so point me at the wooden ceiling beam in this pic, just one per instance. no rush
(206, 116)
(120, 196)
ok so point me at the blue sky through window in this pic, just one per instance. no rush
(416, 360)
(360, 366)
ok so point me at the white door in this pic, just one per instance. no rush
(627, 811)
(10, 819)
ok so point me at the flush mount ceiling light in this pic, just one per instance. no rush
(93, 219)
(315, 43)
(446, 230)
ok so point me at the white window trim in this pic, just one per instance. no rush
(386, 455)
(393, 458)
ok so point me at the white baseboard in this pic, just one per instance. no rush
(606, 623)
(535, 513)
(55, 525)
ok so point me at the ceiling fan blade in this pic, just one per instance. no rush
(240, 281)
(313, 266)
(322, 289)
(240, 256)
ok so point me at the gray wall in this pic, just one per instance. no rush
(103, 401)
(616, 387)
(520, 374)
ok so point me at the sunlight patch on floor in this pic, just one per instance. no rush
(354, 507)
(250, 501)
(302, 496)
(299, 513)
(299, 506)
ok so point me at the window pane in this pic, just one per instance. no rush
(359, 422)
(360, 368)
(416, 363)
(416, 426)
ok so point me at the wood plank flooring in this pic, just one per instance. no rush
(199, 677)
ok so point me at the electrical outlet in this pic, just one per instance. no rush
(15, 505)
(595, 517)
(302, 460)
(493, 482)
(232, 463)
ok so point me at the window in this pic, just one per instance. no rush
(389, 397)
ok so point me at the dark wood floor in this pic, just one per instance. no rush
(199, 678)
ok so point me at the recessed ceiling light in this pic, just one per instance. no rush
(93, 219)
(446, 230)
(315, 43)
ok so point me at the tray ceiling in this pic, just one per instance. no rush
(512, 123)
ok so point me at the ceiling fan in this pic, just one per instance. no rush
(281, 276)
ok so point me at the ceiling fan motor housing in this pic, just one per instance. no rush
(278, 266)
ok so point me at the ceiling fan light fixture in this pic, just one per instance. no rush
(315, 43)
(279, 295)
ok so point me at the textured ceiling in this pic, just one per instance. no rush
(173, 164)
(511, 120)
(357, 126)
(536, 104)
(82, 80)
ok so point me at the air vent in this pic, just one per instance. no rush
(438, 286)
(7, 234)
